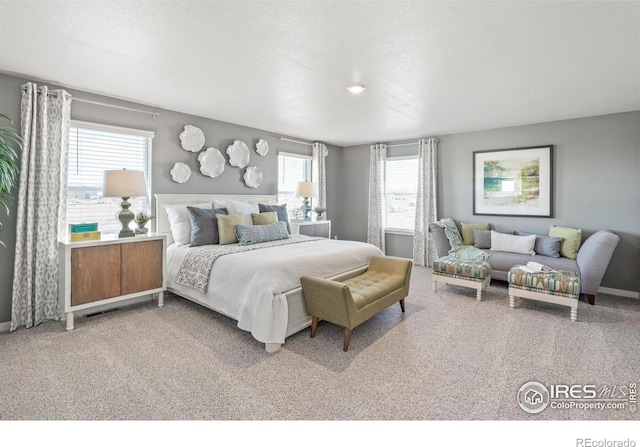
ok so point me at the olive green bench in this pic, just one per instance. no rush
(353, 301)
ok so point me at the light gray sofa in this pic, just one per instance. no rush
(592, 260)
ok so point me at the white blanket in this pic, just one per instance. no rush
(249, 286)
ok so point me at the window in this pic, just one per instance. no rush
(292, 168)
(401, 184)
(94, 148)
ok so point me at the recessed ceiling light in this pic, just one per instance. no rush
(356, 88)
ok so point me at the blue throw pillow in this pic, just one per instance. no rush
(283, 215)
(204, 225)
(545, 245)
(254, 234)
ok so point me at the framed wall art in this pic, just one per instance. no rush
(513, 182)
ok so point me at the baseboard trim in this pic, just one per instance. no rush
(619, 292)
(4, 327)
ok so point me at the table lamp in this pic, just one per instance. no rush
(125, 184)
(306, 190)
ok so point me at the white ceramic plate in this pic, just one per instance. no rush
(238, 153)
(192, 138)
(211, 162)
(253, 177)
(262, 147)
(180, 173)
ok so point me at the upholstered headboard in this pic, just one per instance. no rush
(162, 220)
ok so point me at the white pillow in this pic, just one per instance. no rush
(238, 207)
(180, 223)
(513, 244)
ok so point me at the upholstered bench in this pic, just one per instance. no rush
(355, 300)
(557, 287)
(462, 272)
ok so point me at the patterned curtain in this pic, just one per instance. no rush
(375, 229)
(319, 174)
(426, 210)
(42, 198)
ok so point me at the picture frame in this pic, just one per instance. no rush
(513, 182)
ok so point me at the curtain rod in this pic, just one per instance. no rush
(296, 141)
(103, 104)
(403, 144)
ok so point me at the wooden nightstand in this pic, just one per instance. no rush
(94, 273)
(318, 228)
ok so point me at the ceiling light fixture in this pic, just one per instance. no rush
(356, 88)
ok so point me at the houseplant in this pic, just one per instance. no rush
(141, 219)
(319, 212)
(8, 163)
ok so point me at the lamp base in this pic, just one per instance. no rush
(125, 216)
(305, 209)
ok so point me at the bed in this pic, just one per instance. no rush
(259, 287)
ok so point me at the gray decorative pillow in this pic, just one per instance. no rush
(283, 215)
(482, 238)
(254, 234)
(546, 245)
(204, 225)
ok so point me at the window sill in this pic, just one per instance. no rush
(401, 232)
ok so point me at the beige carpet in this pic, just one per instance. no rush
(448, 357)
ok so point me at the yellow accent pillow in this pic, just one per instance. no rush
(264, 218)
(571, 240)
(227, 227)
(467, 231)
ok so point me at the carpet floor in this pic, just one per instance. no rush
(449, 357)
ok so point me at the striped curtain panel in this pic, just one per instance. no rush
(42, 201)
(319, 174)
(376, 224)
(426, 208)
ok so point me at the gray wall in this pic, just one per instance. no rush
(166, 152)
(596, 184)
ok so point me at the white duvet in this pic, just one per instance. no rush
(249, 286)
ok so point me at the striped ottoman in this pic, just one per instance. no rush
(557, 287)
(462, 272)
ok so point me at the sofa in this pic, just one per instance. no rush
(591, 260)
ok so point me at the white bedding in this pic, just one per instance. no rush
(249, 286)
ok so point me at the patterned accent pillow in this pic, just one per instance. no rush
(264, 218)
(204, 225)
(254, 234)
(283, 215)
(227, 227)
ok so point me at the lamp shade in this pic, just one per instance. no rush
(307, 189)
(124, 183)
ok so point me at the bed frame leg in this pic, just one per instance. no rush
(272, 347)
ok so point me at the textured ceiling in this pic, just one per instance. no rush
(431, 68)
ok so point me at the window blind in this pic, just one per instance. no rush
(401, 183)
(292, 168)
(94, 148)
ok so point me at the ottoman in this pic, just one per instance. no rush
(557, 287)
(462, 272)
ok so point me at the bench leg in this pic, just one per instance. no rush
(434, 286)
(314, 326)
(479, 293)
(402, 304)
(574, 313)
(512, 301)
(347, 337)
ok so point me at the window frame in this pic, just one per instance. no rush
(392, 230)
(106, 128)
(307, 171)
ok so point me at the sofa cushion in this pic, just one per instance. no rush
(513, 244)
(502, 262)
(467, 231)
(572, 238)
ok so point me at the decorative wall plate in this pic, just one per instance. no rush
(192, 138)
(180, 173)
(238, 153)
(262, 147)
(252, 177)
(211, 162)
